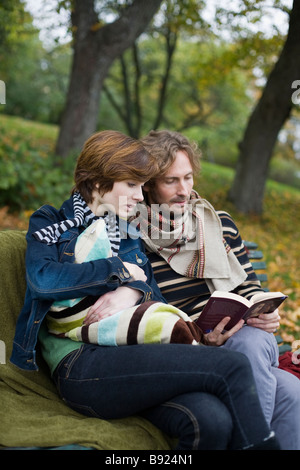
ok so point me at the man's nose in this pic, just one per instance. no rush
(182, 189)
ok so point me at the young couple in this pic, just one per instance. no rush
(205, 396)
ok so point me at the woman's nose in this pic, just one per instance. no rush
(138, 195)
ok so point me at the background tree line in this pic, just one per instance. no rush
(139, 65)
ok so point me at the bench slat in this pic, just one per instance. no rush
(255, 254)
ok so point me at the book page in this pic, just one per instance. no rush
(266, 295)
(265, 306)
(218, 294)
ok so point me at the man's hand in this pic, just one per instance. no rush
(268, 322)
(216, 337)
(111, 303)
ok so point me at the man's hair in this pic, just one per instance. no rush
(163, 145)
(111, 156)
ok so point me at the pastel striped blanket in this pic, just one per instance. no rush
(92, 244)
(150, 322)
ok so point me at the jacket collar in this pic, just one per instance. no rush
(67, 211)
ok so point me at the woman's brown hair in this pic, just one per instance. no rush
(111, 156)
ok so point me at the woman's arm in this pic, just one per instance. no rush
(50, 279)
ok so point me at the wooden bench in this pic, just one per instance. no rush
(260, 268)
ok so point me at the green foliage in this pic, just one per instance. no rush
(12, 20)
(36, 79)
(212, 101)
(29, 173)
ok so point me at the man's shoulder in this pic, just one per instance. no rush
(227, 221)
(224, 216)
(223, 213)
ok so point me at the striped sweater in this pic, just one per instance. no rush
(190, 294)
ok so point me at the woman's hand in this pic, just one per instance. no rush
(111, 303)
(268, 322)
(216, 337)
(136, 272)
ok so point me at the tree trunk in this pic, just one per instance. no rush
(272, 110)
(171, 41)
(95, 49)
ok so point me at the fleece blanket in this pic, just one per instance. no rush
(149, 322)
(31, 413)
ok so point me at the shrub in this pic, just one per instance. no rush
(29, 175)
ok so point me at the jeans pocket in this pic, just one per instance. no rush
(82, 409)
(80, 386)
(70, 363)
(64, 368)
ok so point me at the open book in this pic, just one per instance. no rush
(226, 304)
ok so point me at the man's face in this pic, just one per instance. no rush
(174, 188)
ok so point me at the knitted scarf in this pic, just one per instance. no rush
(83, 216)
(193, 244)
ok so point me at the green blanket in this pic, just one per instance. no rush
(31, 413)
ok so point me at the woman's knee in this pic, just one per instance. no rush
(235, 364)
(198, 420)
(215, 424)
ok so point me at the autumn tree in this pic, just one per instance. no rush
(149, 64)
(96, 46)
(268, 117)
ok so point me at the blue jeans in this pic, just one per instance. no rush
(204, 396)
(279, 391)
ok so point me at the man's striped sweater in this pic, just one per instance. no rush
(190, 294)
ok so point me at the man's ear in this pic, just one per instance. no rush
(146, 187)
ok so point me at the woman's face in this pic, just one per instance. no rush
(121, 200)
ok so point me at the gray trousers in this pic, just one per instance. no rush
(279, 390)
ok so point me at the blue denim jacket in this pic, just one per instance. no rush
(52, 275)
